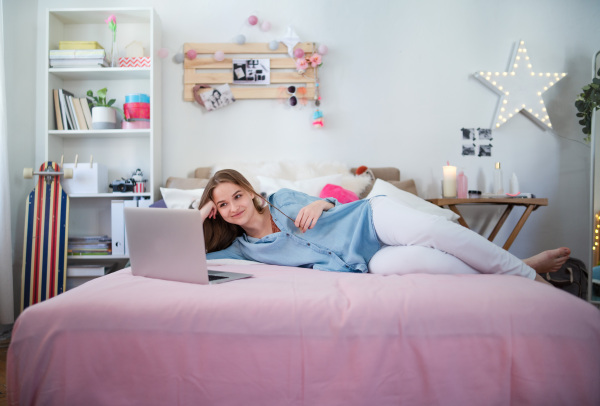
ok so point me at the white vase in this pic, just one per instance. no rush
(104, 118)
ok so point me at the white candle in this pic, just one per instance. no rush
(449, 182)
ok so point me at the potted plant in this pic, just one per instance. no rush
(587, 103)
(104, 114)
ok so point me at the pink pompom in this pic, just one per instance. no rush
(219, 56)
(323, 49)
(299, 53)
(265, 26)
(191, 54)
(252, 20)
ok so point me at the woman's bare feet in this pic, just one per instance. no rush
(549, 261)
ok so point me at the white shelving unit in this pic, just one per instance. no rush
(121, 151)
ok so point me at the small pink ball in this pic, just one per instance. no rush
(191, 54)
(219, 56)
(252, 20)
(323, 49)
(265, 26)
(163, 53)
(299, 53)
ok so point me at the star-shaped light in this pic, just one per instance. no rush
(290, 40)
(521, 89)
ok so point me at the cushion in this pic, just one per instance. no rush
(311, 187)
(342, 195)
(381, 187)
(185, 183)
(180, 198)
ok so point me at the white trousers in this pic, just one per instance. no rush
(417, 242)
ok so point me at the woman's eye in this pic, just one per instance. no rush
(238, 196)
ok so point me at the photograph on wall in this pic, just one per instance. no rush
(217, 97)
(485, 150)
(485, 134)
(252, 71)
(468, 134)
(476, 142)
(468, 150)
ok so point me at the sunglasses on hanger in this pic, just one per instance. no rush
(297, 95)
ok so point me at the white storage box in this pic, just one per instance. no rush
(86, 178)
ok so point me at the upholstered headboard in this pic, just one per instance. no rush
(389, 174)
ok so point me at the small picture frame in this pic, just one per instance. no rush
(251, 71)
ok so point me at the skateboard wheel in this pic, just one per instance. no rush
(28, 173)
(68, 173)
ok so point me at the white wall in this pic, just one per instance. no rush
(397, 88)
(20, 35)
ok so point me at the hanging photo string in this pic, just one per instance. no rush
(315, 61)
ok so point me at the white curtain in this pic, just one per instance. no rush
(6, 262)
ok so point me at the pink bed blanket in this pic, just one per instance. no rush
(291, 336)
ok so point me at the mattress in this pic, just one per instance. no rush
(295, 336)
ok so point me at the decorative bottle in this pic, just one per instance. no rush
(498, 184)
(462, 185)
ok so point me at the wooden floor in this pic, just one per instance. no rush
(3, 350)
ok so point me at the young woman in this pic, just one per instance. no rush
(377, 235)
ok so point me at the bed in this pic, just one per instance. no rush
(295, 336)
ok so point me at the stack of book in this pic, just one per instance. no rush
(72, 113)
(91, 245)
(80, 274)
(77, 58)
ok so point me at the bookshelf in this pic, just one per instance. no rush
(121, 151)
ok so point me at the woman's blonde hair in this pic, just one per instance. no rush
(219, 234)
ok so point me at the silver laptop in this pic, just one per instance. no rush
(169, 244)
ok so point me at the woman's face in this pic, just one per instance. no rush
(234, 203)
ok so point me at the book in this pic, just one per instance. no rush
(85, 270)
(74, 117)
(79, 63)
(79, 114)
(87, 112)
(76, 53)
(59, 124)
(507, 196)
(79, 45)
(67, 107)
(63, 109)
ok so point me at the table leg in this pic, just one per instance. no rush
(500, 222)
(461, 219)
(519, 226)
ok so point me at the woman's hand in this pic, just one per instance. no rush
(209, 210)
(308, 215)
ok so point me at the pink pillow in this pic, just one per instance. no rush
(339, 193)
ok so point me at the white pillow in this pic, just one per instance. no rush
(311, 187)
(180, 198)
(381, 187)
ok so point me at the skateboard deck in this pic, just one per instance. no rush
(46, 234)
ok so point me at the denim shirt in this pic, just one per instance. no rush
(343, 240)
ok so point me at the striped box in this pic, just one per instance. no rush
(136, 62)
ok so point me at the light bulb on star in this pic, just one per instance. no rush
(521, 89)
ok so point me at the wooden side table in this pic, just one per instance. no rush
(530, 205)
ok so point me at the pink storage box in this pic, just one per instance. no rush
(136, 62)
(135, 125)
(137, 110)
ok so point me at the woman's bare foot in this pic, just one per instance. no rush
(549, 261)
